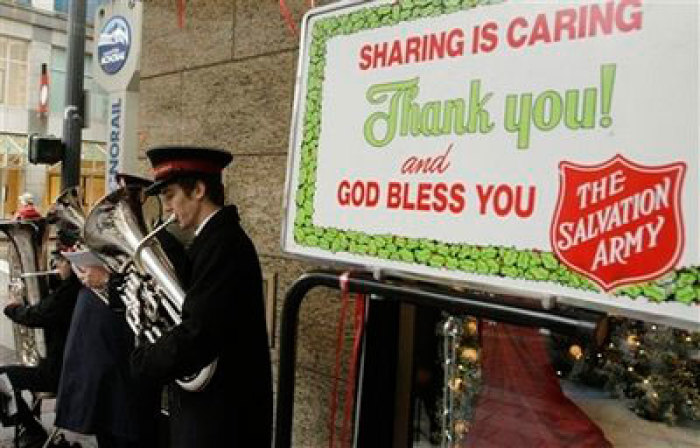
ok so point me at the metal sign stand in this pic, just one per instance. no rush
(475, 303)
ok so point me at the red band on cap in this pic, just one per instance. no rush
(196, 166)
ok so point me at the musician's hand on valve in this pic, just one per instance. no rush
(114, 297)
(141, 339)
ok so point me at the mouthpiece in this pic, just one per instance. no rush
(171, 219)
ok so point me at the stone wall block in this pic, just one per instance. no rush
(318, 323)
(242, 106)
(255, 185)
(162, 47)
(286, 271)
(206, 37)
(311, 405)
(160, 111)
(208, 32)
(318, 318)
(261, 28)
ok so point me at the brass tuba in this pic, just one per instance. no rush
(27, 280)
(68, 207)
(117, 230)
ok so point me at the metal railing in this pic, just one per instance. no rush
(507, 309)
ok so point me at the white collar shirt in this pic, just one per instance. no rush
(205, 221)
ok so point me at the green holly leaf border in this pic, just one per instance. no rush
(681, 285)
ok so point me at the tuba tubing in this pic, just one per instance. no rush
(29, 239)
(146, 260)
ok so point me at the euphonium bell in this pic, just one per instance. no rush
(69, 213)
(68, 208)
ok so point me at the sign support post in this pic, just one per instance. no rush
(117, 55)
(74, 113)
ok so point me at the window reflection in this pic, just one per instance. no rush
(482, 383)
(13, 72)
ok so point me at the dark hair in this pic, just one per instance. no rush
(67, 234)
(213, 188)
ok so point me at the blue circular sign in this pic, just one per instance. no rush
(113, 46)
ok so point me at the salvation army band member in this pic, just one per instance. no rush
(222, 316)
(53, 314)
(98, 395)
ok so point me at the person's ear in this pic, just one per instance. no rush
(199, 190)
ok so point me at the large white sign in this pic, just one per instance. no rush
(540, 147)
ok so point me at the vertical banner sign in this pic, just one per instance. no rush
(43, 107)
(117, 56)
(535, 148)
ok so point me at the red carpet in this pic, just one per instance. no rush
(521, 403)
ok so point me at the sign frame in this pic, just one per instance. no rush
(632, 303)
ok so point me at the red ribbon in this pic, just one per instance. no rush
(352, 371)
(359, 321)
(43, 84)
(181, 14)
(287, 15)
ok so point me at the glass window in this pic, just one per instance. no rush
(57, 91)
(484, 383)
(13, 72)
(98, 96)
(92, 181)
(87, 67)
(61, 6)
(18, 51)
(57, 79)
(3, 64)
(90, 8)
(17, 91)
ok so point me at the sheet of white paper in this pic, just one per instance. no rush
(83, 258)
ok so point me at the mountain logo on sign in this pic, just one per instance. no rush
(113, 45)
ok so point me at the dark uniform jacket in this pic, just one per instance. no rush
(223, 318)
(53, 314)
(97, 394)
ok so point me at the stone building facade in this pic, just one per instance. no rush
(226, 79)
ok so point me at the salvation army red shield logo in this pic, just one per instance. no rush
(619, 222)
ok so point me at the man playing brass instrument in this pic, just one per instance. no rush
(53, 314)
(222, 316)
(97, 394)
